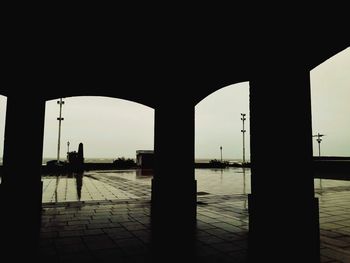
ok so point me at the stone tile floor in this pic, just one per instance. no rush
(335, 225)
(118, 230)
(64, 188)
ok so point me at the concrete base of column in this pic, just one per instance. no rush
(283, 231)
(176, 198)
(20, 221)
(173, 219)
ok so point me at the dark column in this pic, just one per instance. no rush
(283, 213)
(174, 186)
(21, 187)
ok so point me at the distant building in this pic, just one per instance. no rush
(145, 159)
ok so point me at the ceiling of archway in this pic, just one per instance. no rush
(151, 71)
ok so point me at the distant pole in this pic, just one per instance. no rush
(68, 150)
(319, 140)
(221, 152)
(243, 133)
(60, 119)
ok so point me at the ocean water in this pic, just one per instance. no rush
(110, 160)
(87, 160)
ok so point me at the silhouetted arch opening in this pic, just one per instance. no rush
(218, 117)
(330, 94)
(223, 181)
(330, 107)
(111, 131)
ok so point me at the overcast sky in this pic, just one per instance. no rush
(330, 100)
(111, 128)
(108, 127)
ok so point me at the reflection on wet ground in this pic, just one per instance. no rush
(80, 188)
(112, 221)
(130, 184)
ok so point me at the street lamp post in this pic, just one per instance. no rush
(319, 140)
(60, 119)
(68, 143)
(243, 133)
(221, 152)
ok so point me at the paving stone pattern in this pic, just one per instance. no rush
(118, 229)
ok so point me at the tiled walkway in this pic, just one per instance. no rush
(69, 189)
(335, 224)
(118, 230)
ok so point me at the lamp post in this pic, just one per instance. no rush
(319, 140)
(60, 119)
(243, 133)
(68, 143)
(221, 152)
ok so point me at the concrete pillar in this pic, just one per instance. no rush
(174, 186)
(21, 187)
(283, 213)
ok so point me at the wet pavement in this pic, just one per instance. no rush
(111, 222)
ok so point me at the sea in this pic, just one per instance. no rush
(110, 160)
(87, 160)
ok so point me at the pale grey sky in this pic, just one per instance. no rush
(218, 123)
(108, 127)
(330, 100)
(111, 128)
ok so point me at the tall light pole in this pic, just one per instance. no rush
(319, 140)
(60, 119)
(68, 143)
(221, 152)
(243, 133)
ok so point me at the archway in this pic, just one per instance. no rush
(109, 129)
(223, 179)
(330, 110)
(107, 214)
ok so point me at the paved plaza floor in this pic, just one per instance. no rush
(109, 221)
